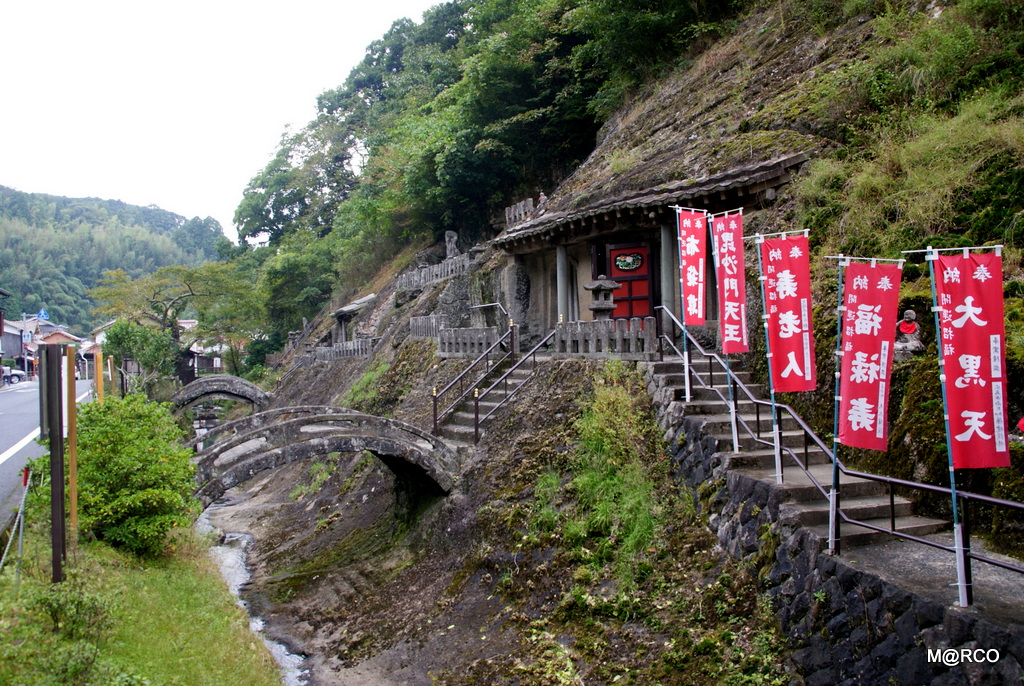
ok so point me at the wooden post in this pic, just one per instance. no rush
(72, 424)
(98, 373)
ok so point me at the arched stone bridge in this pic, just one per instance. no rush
(419, 460)
(221, 385)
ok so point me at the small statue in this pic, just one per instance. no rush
(451, 244)
(908, 337)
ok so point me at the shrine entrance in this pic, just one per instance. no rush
(630, 265)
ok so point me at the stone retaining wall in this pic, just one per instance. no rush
(847, 626)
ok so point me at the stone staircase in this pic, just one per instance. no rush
(802, 501)
(458, 427)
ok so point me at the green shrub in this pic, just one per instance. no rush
(135, 480)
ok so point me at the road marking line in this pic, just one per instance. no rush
(18, 446)
(10, 452)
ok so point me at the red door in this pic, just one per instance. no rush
(630, 265)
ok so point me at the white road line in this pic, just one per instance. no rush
(13, 450)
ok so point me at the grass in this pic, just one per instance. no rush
(117, 620)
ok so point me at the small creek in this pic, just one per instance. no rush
(231, 557)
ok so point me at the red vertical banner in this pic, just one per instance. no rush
(871, 296)
(692, 226)
(787, 275)
(727, 233)
(969, 289)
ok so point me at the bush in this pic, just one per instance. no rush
(135, 480)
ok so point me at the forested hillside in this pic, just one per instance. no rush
(54, 249)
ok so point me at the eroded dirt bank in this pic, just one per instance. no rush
(384, 588)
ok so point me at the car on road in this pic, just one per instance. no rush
(13, 376)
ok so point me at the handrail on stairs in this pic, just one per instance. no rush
(459, 383)
(503, 382)
(811, 437)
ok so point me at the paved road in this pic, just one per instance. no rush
(19, 427)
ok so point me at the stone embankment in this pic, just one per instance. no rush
(879, 614)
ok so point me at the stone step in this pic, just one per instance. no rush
(866, 508)
(798, 488)
(457, 433)
(698, 392)
(852, 535)
(790, 438)
(764, 458)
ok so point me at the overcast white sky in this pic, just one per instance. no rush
(174, 104)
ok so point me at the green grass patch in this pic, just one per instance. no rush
(121, 621)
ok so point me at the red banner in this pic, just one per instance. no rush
(969, 289)
(727, 233)
(871, 297)
(692, 225)
(787, 275)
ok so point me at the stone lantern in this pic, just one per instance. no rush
(601, 291)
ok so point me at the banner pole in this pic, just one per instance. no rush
(725, 355)
(759, 239)
(833, 499)
(682, 308)
(958, 533)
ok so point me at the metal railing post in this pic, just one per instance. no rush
(476, 415)
(965, 520)
(434, 394)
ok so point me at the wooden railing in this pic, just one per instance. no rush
(626, 339)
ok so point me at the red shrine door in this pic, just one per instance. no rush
(630, 265)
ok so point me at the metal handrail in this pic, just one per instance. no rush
(460, 380)
(503, 381)
(809, 434)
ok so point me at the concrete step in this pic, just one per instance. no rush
(866, 508)
(764, 458)
(798, 488)
(790, 438)
(698, 392)
(852, 535)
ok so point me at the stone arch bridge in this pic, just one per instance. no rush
(421, 463)
(223, 386)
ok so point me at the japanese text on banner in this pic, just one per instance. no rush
(969, 290)
(870, 302)
(692, 225)
(727, 233)
(787, 274)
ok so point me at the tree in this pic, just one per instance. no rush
(155, 352)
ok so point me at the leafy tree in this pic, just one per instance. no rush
(235, 315)
(154, 351)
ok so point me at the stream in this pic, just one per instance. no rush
(231, 554)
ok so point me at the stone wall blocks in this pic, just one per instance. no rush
(913, 668)
(897, 599)
(906, 629)
(959, 626)
(928, 612)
